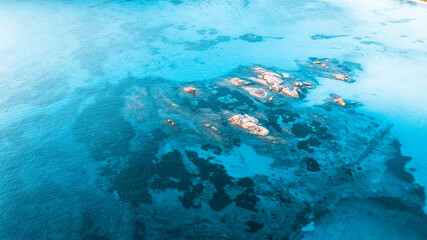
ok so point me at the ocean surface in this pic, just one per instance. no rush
(213, 119)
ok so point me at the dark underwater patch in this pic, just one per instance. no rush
(243, 101)
(89, 228)
(220, 200)
(371, 43)
(390, 203)
(216, 150)
(103, 129)
(307, 144)
(321, 36)
(301, 130)
(171, 173)
(139, 232)
(396, 164)
(132, 183)
(253, 226)
(246, 183)
(311, 164)
(202, 45)
(322, 133)
(188, 200)
(250, 37)
(247, 199)
(401, 21)
(215, 173)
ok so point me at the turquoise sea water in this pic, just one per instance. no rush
(87, 87)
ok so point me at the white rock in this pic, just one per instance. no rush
(341, 77)
(276, 87)
(239, 82)
(259, 80)
(339, 100)
(249, 123)
(191, 90)
(298, 84)
(269, 76)
(272, 78)
(286, 75)
(292, 93)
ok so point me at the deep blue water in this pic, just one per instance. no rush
(100, 140)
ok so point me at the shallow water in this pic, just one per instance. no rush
(85, 152)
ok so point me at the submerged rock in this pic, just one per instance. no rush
(249, 123)
(257, 92)
(308, 84)
(330, 68)
(286, 75)
(250, 37)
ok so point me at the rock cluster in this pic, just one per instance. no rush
(268, 78)
(249, 123)
(341, 77)
(278, 82)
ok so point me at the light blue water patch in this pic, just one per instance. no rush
(243, 161)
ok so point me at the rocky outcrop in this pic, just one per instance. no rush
(268, 77)
(171, 122)
(339, 100)
(276, 88)
(298, 84)
(291, 93)
(239, 82)
(190, 90)
(249, 123)
(341, 77)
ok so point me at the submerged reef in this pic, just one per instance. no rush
(191, 159)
